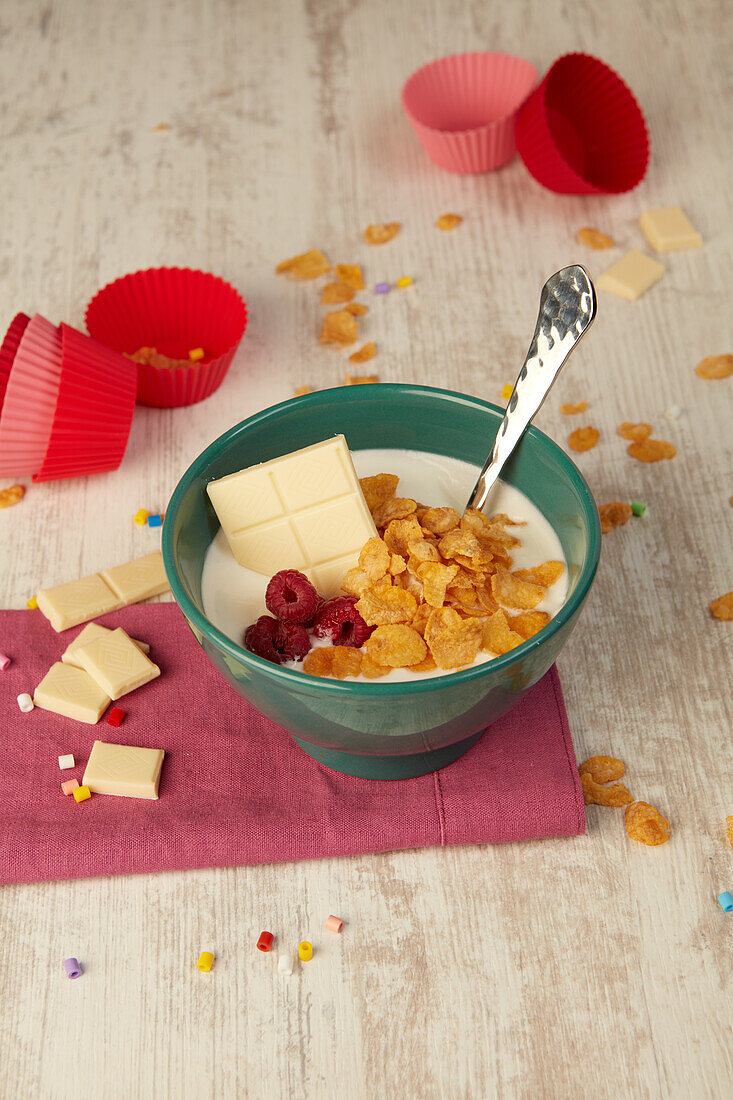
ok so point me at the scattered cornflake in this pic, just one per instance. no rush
(634, 432)
(594, 238)
(350, 274)
(645, 824)
(594, 794)
(583, 439)
(367, 352)
(729, 830)
(162, 127)
(357, 309)
(301, 390)
(715, 366)
(448, 221)
(380, 234)
(361, 379)
(333, 293)
(507, 391)
(151, 357)
(604, 769)
(339, 327)
(308, 265)
(652, 450)
(614, 514)
(572, 410)
(722, 608)
(11, 496)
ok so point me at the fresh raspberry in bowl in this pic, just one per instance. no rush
(291, 597)
(277, 641)
(339, 620)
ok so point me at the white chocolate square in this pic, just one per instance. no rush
(123, 770)
(669, 230)
(73, 603)
(90, 633)
(116, 664)
(139, 579)
(71, 692)
(631, 276)
(305, 510)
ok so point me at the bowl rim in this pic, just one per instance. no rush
(376, 687)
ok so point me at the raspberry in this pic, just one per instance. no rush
(259, 638)
(339, 620)
(291, 597)
(291, 641)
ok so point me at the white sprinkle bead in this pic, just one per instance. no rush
(285, 964)
(66, 761)
(25, 702)
(673, 412)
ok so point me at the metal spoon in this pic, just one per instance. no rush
(567, 307)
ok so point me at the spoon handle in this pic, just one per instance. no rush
(567, 307)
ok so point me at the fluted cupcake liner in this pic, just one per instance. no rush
(30, 399)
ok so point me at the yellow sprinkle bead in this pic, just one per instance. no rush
(141, 517)
(206, 960)
(305, 951)
(81, 794)
(32, 604)
(195, 354)
(404, 280)
(507, 391)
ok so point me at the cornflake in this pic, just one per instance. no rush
(583, 439)
(614, 514)
(722, 608)
(448, 221)
(452, 641)
(604, 769)
(308, 265)
(339, 661)
(368, 351)
(634, 432)
(357, 309)
(396, 646)
(594, 238)
(729, 829)
(497, 635)
(594, 794)
(350, 274)
(529, 623)
(572, 410)
(374, 559)
(652, 450)
(386, 606)
(510, 592)
(378, 489)
(380, 234)
(11, 495)
(336, 292)
(545, 574)
(439, 521)
(303, 390)
(645, 824)
(715, 366)
(361, 379)
(339, 327)
(399, 533)
(397, 508)
(435, 579)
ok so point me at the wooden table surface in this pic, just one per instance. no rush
(590, 966)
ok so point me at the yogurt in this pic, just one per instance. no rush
(233, 597)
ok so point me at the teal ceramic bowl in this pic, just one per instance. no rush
(368, 728)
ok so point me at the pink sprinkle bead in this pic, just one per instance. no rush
(334, 924)
(69, 786)
(4, 661)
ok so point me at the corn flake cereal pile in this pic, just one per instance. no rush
(437, 587)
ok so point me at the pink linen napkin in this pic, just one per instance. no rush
(234, 788)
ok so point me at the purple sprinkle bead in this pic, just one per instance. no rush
(381, 288)
(72, 968)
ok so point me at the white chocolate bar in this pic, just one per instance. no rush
(302, 511)
(116, 664)
(71, 692)
(90, 633)
(139, 579)
(631, 276)
(73, 603)
(123, 770)
(669, 230)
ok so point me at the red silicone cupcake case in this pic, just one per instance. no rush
(173, 310)
(30, 399)
(582, 131)
(93, 415)
(8, 349)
